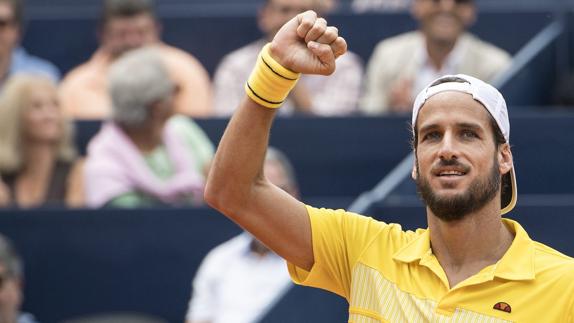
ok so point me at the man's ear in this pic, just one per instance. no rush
(505, 161)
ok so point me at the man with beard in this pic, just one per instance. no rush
(441, 46)
(470, 265)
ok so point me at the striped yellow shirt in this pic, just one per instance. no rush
(390, 275)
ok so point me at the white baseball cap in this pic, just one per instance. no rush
(494, 103)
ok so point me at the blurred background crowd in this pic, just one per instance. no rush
(113, 109)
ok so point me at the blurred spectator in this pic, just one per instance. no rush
(362, 6)
(13, 58)
(401, 66)
(37, 156)
(238, 280)
(314, 94)
(145, 156)
(11, 285)
(125, 25)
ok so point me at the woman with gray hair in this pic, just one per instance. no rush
(145, 155)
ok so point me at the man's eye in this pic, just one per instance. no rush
(431, 136)
(469, 134)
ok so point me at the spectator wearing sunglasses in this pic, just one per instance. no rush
(400, 66)
(11, 281)
(13, 58)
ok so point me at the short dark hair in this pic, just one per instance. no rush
(17, 9)
(125, 9)
(496, 132)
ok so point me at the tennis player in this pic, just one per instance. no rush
(469, 265)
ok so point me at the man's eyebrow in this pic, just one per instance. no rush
(464, 125)
(468, 125)
(429, 127)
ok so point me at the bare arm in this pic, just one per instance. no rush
(236, 185)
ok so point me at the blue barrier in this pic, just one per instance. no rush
(85, 262)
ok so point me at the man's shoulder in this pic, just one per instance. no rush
(172, 53)
(483, 48)
(94, 68)
(25, 62)
(552, 258)
(26, 318)
(185, 68)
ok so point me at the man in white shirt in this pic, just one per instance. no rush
(401, 66)
(336, 95)
(240, 279)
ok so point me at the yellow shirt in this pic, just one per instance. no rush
(390, 275)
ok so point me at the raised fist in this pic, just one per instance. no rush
(305, 44)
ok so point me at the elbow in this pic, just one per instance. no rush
(221, 196)
(212, 196)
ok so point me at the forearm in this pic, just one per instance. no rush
(238, 163)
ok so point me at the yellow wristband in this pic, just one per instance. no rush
(270, 83)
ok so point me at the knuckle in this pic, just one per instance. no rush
(306, 24)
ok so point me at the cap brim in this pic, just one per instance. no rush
(509, 193)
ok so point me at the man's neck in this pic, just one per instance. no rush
(438, 53)
(465, 247)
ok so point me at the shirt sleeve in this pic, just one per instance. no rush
(339, 238)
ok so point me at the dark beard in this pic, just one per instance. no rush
(480, 192)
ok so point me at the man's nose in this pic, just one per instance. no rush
(448, 147)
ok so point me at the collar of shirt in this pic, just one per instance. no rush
(516, 264)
